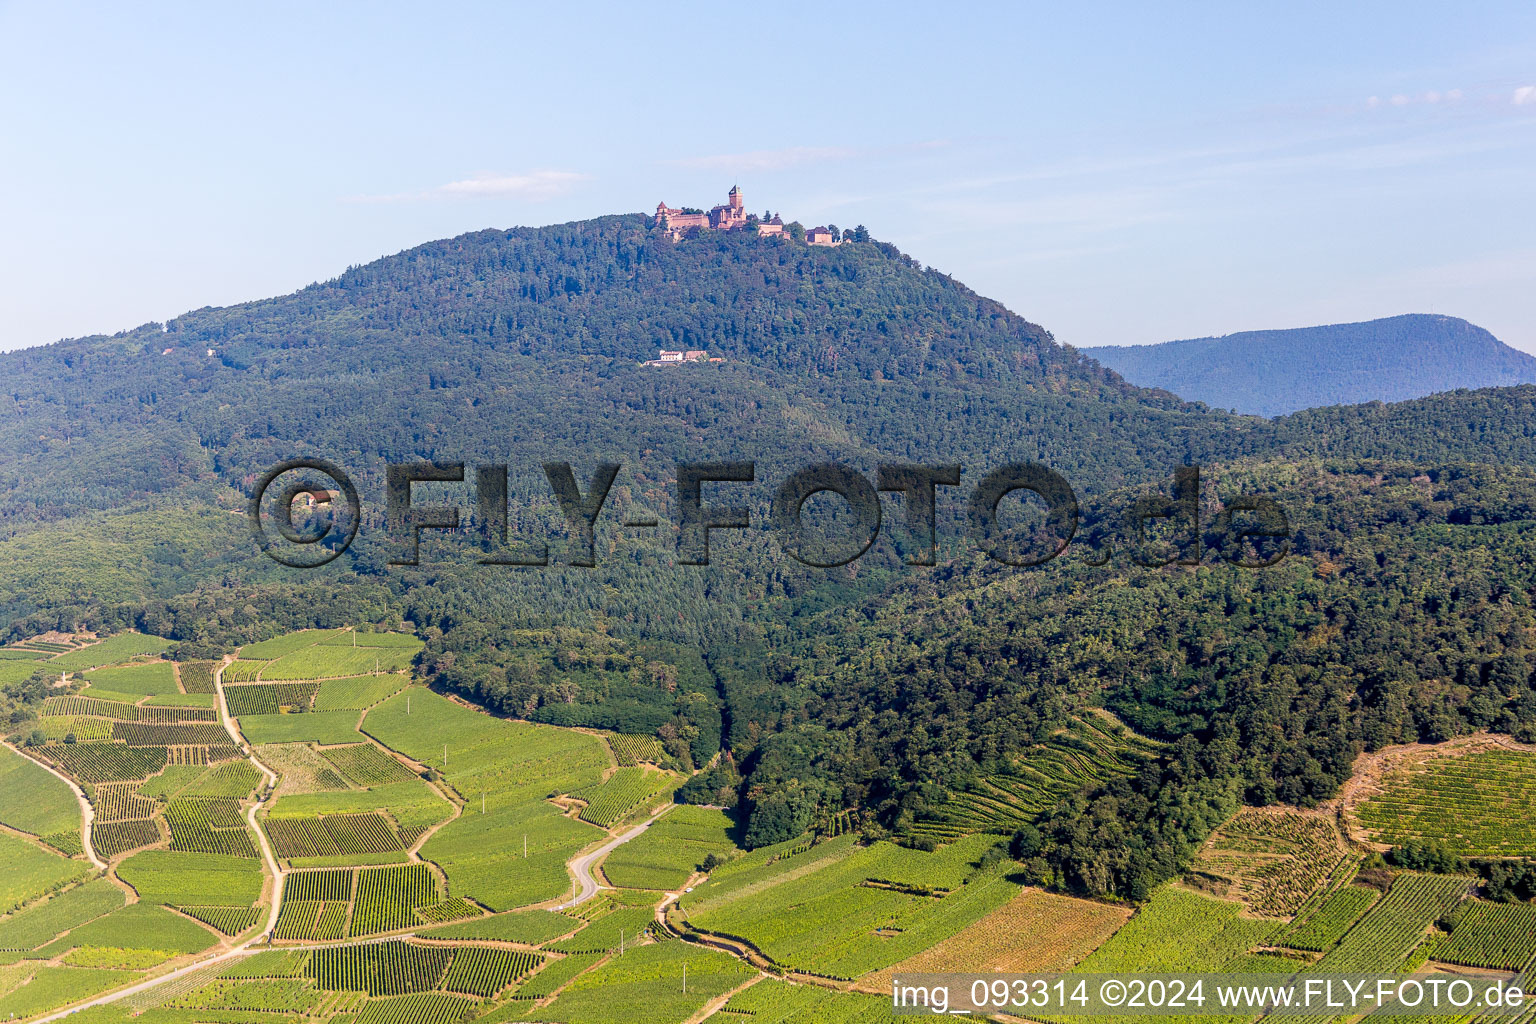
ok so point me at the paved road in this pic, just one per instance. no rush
(581, 867)
(87, 813)
(250, 814)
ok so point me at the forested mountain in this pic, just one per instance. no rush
(1403, 611)
(1270, 373)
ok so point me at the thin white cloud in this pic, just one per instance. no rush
(1523, 95)
(534, 185)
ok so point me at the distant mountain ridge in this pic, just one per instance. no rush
(1271, 373)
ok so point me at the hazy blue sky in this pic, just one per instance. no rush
(1121, 173)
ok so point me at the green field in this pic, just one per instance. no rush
(778, 1002)
(32, 800)
(667, 853)
(309, 727)
(856, 909)
(195, 879)
(139, 926)
(529, 927)
(158, 677)
(50, 987)
(31, 871)
(41, 922)
(358, 692)
(646, 984)
(1482, 803)
(515, 766)
(322, 662)
(267, 650)
(111, 651)
(366, 765)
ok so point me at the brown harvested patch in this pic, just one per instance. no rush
(1036, 931)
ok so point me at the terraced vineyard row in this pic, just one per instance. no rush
(1090, 751)
(1272, 861)
(147, 713)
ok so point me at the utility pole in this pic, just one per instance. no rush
(482, 801)
(525, 846)
(445, 755)
(685, 977)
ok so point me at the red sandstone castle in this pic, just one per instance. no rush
(732, 216)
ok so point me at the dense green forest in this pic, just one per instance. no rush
(1270, 373)
(1401, 612)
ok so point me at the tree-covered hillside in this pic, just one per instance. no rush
(125, 463)
(1271, 373)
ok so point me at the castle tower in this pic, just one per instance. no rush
(735, 200)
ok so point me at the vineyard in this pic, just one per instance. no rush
(508, 769)
(321, 661)
(780, 1002)
(120, 801)
(135, 680)
(622, 792)
(118, 837)
(1092, 750)
(671, 850)
(204, 825)
(646, 985)
(333, 835)
(1390, 931)
(855, 909)
(1327, 924)
(141, 734)
(1272, 862)
(366, 765)
(105, 762)
(483, 971)
(380, 900)
(1494, 935)
(122, 712)
(243, 671)
(358, 692)
(269, 698)
(229, 920)
(196, 676)
(1481, 803)
(1178, 930)
(301, 768)
(629, 751)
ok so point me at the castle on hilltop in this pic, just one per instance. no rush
(733, 216)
